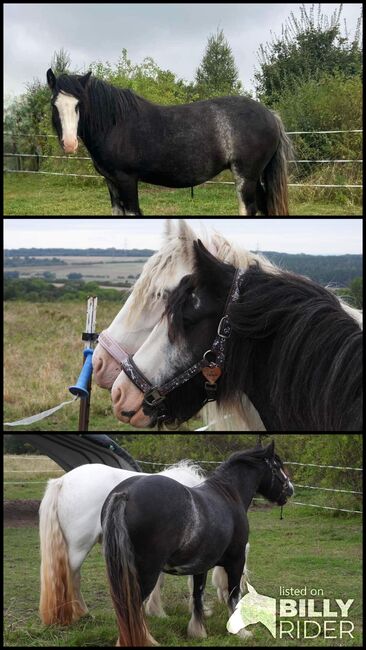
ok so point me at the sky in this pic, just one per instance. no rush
(174, 35)
(311, 236)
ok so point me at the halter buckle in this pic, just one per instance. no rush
(224, 328)
(153, 397)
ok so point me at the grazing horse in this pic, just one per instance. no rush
(69, 528)
(131, 139)
(282, 339)
(153, 524)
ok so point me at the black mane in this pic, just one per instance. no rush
(104, 105)
(308, 348)
(294, 351)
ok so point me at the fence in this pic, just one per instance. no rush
(38, 157)
(152, 464)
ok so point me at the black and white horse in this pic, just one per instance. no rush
(153, 524)
(131, 139)
(283, 340)
(69, 527)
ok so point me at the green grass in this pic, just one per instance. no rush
(29, 194)
(41, 362)
(305, 549)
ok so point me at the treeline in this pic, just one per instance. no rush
(38, 290)
(325, 269)
(31, 261)
(77, 252)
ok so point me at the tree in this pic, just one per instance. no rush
(308, 49)
(217, 75)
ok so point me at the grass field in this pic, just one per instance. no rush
(308, 548)
(29, 194)
(43, 356)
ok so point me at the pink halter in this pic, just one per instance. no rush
(112, 347)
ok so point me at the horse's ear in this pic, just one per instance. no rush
(207, 266)
(270, 450)
(85, 79)
(51, 79)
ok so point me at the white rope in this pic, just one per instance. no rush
(39, 416)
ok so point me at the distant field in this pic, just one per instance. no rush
(110, 269)
(29, 194)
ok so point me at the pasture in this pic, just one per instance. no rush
(41, 362)
(29, 194)
(308, 547)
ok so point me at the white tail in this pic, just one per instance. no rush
(59, 602)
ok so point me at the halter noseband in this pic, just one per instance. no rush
(154, 396)
(112, 347)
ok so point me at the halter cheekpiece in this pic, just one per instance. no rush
(211, 365)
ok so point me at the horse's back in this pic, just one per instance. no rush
(153, 504)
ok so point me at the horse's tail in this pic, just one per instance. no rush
(275, 175)
(57, 602)
(122, 574)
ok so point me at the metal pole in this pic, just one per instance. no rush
(82, 388)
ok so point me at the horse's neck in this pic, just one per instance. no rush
(245, 479)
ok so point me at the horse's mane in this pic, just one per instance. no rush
(296, 329)
(105, 105)
(220, 478)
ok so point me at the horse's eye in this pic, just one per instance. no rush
(77, 108)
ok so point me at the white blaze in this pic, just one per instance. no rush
(69, 117)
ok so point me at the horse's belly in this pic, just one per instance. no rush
(176, 175)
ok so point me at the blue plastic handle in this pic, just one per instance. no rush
(81, 387)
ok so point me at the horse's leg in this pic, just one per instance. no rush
(249, 196)
(153, 605)
(126, 187)
(117, 206)
(76, 559)
(260, 196)
(195, 626)
(234, 574)
(149, 581)
(206, 609)
(239, 184)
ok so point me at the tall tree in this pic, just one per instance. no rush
(217, 75)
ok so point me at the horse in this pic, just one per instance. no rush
(130, 139)
(145, 306)
(153, 524)
(70, 526)
(284, 340)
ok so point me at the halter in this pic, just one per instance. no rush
(278, 472)
(112, 347)
(211, 364)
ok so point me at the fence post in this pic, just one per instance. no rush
(82, 388)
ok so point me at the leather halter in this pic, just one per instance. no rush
(211, 369)
(278, 472)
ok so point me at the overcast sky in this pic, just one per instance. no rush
(175, 35)
(313, 236)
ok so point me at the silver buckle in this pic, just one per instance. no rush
(224, 320)
(155, 396)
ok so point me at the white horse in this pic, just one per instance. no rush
(69, 528)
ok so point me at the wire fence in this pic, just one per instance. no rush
(157, 464)
(38, 156)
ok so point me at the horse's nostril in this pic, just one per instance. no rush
(128, 414)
